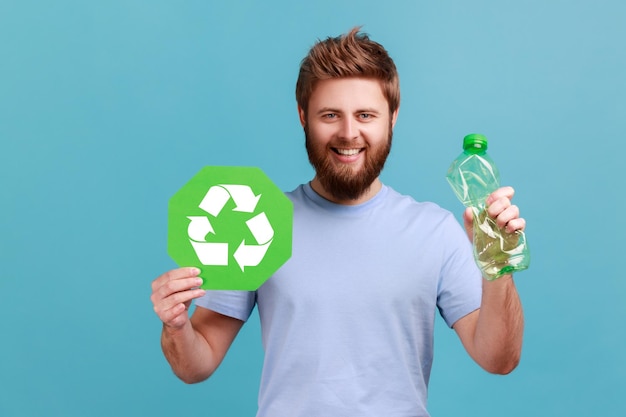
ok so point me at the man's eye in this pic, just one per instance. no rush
(365, 116)
(330, 115)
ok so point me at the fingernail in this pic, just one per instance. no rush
(195, 271)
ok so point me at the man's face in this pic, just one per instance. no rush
(348, 132)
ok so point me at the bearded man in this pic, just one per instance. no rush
(347, 323)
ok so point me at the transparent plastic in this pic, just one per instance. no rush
(473, 176)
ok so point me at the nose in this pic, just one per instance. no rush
(348, 129)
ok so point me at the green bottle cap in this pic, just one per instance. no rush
(475, 142)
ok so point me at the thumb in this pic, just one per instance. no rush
(468, 222)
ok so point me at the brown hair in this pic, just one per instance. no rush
(349, 55)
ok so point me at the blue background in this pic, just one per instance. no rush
(108, 108)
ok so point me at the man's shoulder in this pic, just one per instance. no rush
(297, 194)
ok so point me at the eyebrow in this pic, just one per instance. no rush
(333, 110)
(328, 110)
(368, 110)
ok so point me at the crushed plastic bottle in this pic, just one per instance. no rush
(473, 176)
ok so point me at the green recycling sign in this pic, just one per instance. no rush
(232, 223)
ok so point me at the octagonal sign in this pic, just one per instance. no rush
(234, 224)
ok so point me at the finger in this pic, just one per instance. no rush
(498, 207)
(176, 303)
(181, 298)
(510, 220)
(503, 217)
(502, 192)
(171, 315)
(175, 274)
(468, 222)
(182, 284)
(515, 225)
(468, 216)
(171, 288)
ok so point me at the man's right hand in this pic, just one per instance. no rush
(194, 346)
(172, 293)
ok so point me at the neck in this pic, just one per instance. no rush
(371, 191)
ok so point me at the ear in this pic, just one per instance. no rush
(302, 116)
(394, 117)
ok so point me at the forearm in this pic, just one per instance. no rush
(500, 326)
(188, 353)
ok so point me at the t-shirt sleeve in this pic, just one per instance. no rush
(237, 304)
(460, 283)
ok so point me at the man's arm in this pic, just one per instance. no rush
(492, 335)
(194, 347)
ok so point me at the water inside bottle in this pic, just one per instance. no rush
(497, 251)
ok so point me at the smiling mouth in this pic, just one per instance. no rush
(347, 152)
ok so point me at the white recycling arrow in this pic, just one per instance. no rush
(211, 253)
(218, 195)
(260, 228)
(214, 200)
(252, 255)
(199, 228)
(244, 198)
(208, 253)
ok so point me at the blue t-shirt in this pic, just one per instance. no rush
(347, 323)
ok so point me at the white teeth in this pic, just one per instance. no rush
(348, 152)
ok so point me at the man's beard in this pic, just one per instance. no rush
(344, 183)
